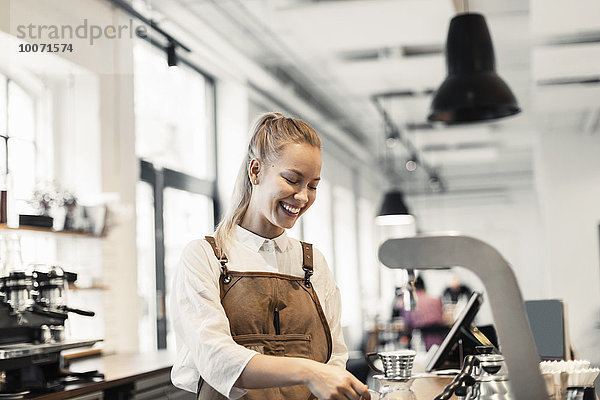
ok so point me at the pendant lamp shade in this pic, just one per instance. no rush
(393, 210)
(472, 91)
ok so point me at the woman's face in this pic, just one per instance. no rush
(283, 189)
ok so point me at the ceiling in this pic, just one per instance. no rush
(349, 57)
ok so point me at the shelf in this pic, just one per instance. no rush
(95, 287)
(48, 230)
(74, 354)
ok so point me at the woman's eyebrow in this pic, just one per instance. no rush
(318, 178)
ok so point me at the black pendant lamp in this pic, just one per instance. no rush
(472, 90)
(393, 210)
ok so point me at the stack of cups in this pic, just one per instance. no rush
(556, 384)
(569, 380)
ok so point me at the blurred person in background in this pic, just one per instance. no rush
(456, 291)
(428, 317)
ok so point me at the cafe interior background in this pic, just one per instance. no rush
(159, 146)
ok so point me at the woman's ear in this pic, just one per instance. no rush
(254, 170)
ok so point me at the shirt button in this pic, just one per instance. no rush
(269, 246)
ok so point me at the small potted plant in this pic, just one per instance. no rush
(43, 200)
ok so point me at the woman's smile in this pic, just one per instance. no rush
(290, 209)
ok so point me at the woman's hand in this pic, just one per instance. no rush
(329, 382)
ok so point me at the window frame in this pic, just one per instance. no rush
(159, 180)
(162, 178)
(5, 133)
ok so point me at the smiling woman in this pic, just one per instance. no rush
(255, 313)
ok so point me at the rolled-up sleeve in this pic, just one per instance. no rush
(339, 354)
(204, 344)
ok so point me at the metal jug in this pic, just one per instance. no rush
(491, 379)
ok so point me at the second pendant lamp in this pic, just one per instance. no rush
(394, 210)
(472, 91)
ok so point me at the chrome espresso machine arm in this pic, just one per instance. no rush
(437, 251)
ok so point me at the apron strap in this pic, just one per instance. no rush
(222, 259)
(307, 262)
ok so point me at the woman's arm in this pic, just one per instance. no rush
(204, 344)
(324, 381)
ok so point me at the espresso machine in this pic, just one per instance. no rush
(33, 312)
(519, 360)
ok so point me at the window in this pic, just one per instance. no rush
(175, 195)
(18, 133)
(173, 125)
(187, 216)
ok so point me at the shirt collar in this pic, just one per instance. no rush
(255, 242)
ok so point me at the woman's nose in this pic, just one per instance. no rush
(302, 195)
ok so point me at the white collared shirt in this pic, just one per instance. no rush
(204, 343)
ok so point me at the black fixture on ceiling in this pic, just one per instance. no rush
(472, 91)
(171, 55)
(393, 210)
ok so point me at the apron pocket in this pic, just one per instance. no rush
(290, 345)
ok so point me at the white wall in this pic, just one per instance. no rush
(509, 221)
(569, 185)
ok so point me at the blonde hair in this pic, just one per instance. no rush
(271, 132)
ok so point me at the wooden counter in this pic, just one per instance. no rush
(428, 388)
(122, 373)
(147, 376)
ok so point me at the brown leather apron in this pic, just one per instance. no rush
(273, 314)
